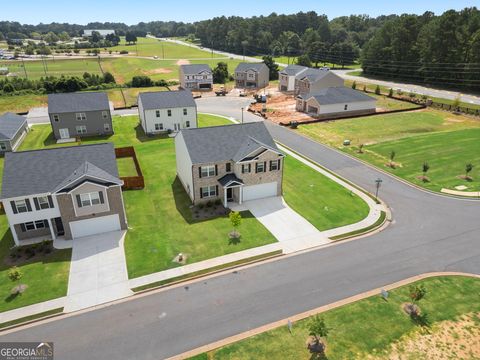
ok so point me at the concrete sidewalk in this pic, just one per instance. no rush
(33, 309)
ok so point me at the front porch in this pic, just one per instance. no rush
(34, 232)
(232, 190)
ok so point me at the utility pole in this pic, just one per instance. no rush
(24, 70)
(242, 115)
(163, 52)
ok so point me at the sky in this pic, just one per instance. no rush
(133, 12)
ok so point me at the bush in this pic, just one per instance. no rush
(354, 85)
(209, 204)
(390, 92)
(141, 81)
(14, 274)
(123, 52)
(377, 90)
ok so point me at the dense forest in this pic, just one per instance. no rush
(441, 50)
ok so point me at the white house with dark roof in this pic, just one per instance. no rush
(13, 129)
(68, 192)
(167, 111)
(313, 80)
(334, 102)
(232, 163)
(287, 76)
(196, 77)
(252, 75)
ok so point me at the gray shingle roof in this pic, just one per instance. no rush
(226, 143)
(10, 124)
(77, 102)
(195, 68)
(43, 171)
(167, 99)
(224, 180)
(337, 95)
(293, 70)
(313, 74)
(250, 66)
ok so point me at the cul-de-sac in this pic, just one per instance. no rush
(240, 181)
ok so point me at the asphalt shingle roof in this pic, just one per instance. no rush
(43, 171)
(10, 124)
(224, 180)
(167, 99)
(195, 68)
(313, 74)
(226, 143)
(337, 95)
(293, 70)
(76, 102)
(242, 67)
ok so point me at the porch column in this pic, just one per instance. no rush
(51, 229)
(225, 201)
(240, 195)
(14, 234)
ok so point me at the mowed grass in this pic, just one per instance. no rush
(206, 120)
(365, 328)
(21, 103)
(446, 141)
(323, 202)
(126, 167)
(36, 68)
(162, 49)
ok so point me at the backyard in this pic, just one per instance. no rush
(415, 137)
(377, 329)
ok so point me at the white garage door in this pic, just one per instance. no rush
(95, 226)
(259, 191)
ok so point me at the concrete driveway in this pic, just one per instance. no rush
(98, 272)
(292, 230)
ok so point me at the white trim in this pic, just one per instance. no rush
(83, 183)
(254, 159)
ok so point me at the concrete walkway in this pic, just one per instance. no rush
(98, 272)
(292, 230)
(33, 309)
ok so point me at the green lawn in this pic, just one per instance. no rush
(126, 167)
(162, 49)
(324, 203)
(205, 120)
(365, 328)
(21, 103)
(389, 104)
(446, 141)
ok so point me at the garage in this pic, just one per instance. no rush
(259, 191)
(95, 226)
(312, 109)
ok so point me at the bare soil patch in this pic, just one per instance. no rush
(183, 62)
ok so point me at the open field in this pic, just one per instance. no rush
(21, 103)
(377, 329)
(446, 141)
(162, 49)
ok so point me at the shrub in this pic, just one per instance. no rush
(123, 52)
(377, 90)
(209, 204)
(218, 202)
(14, 274)
(390, 92)
(354, 85)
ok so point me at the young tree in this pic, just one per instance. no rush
(108, 78)
(416, 293)
(130, 37)
(220, 73)
(468, 169)
(14, 274)
(318, 330)
(272, 66)
(392, 157)
(425, 168)
(236, 221)
(390, 93)
(377, 90)
(354, 85)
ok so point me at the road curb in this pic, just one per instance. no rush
(306, 314)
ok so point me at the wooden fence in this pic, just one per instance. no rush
(131, 182)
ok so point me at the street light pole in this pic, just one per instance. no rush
(378, 183)
(242, 115)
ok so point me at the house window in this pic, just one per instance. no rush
(185, 112)
(274, 165)
(106, 127)
(169, 112)
(56, 118)
(207, 171)
(21, 206)
(29, 226)
(3, 146)
(209, 191)
(39, 224)
(346, 107)
(228, 167)
(159, 127)
(246, 168)
(187, 124)
(90, 199)
(81, 129)
(260, 167)
(105, 114)
(43, 202)
(81, 116)
(157, 113)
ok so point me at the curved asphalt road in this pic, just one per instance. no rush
(429, 233)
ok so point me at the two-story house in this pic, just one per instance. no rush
(196, 77)
(313, 80)
(67, 192)
(232, 163)
(13, 129)
(252, 75)
(164, 111)
(79, 115)
(287, 76)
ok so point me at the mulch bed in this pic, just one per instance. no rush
(22, 254)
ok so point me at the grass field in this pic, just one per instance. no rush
(368, 328)
(162, 49)
(446, 141)
(126, 167)
(21, 103)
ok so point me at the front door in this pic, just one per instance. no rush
(59, 226)
(176, 127)
(64, 134)
(229, 194)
